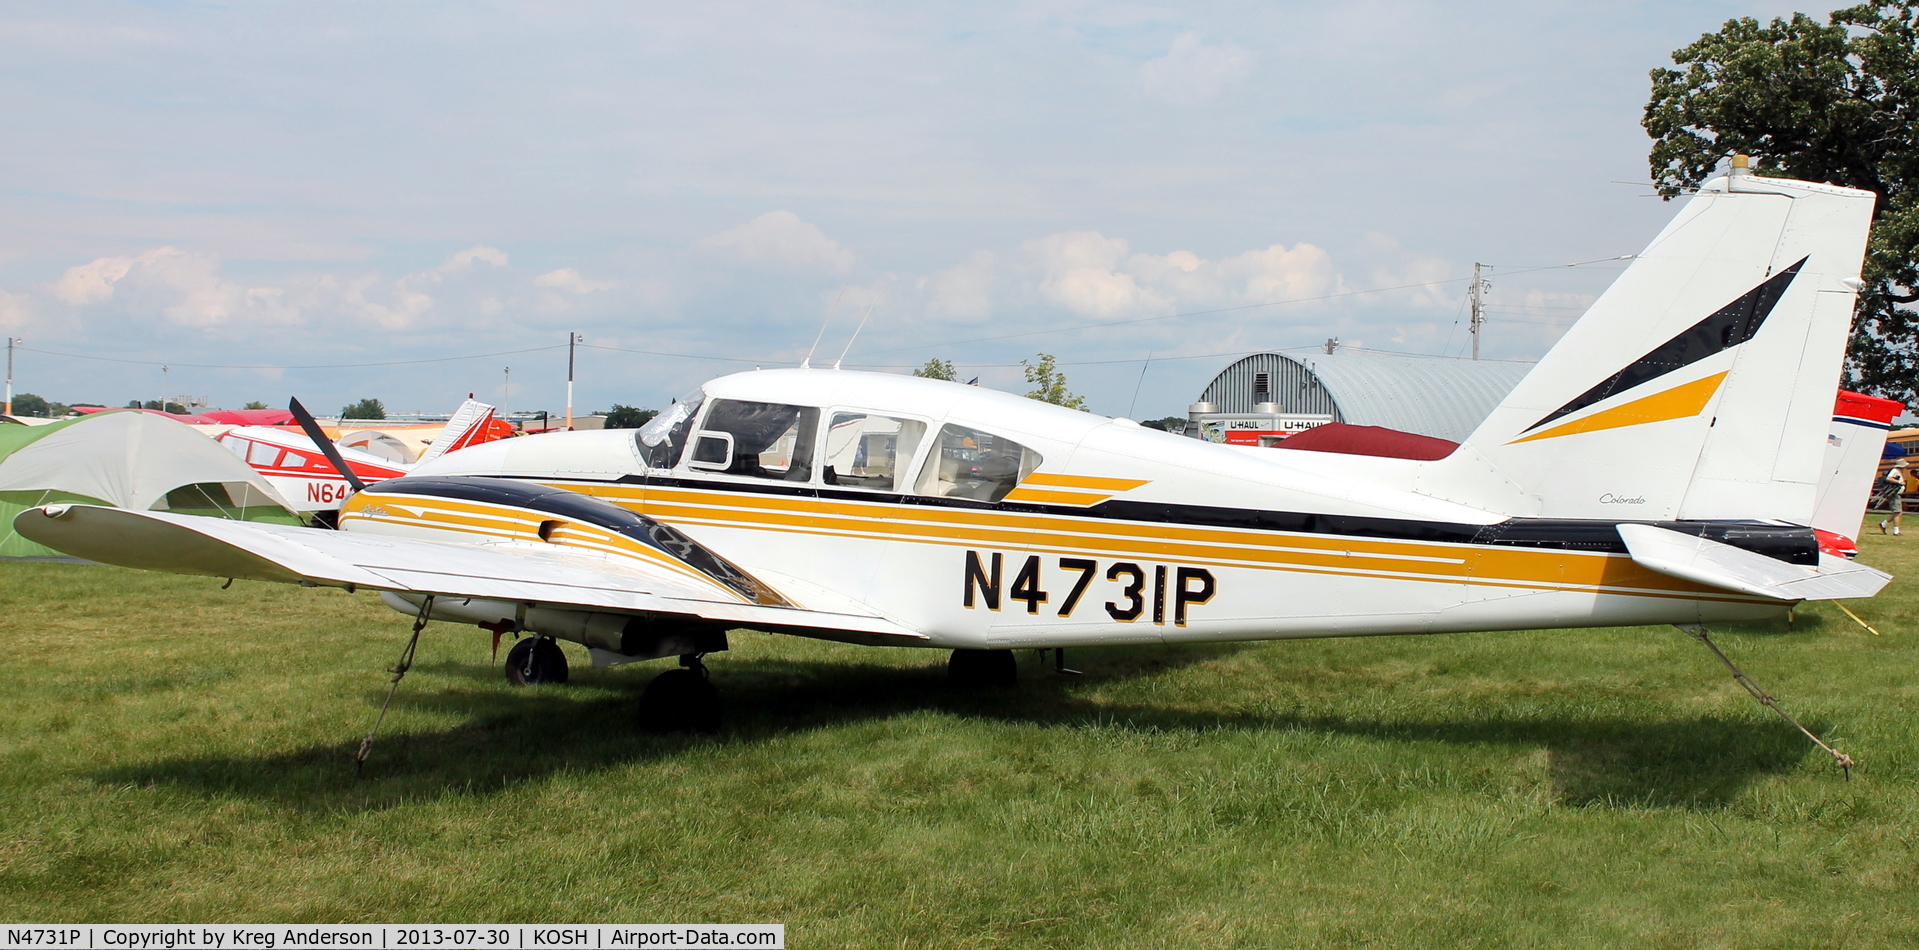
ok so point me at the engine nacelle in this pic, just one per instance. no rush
(631, 636)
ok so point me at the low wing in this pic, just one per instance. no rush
(178, 544)
(1704, 561)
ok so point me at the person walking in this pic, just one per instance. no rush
(1895, 485)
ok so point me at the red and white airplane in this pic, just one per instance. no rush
(295, 466)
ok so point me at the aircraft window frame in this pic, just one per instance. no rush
(748, 428)
(663, 440)
(904, 467)
(262, 454)
(700, 438)
(989, 489)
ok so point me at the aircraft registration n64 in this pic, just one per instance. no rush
(1659, 465)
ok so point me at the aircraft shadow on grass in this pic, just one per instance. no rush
(510, 737)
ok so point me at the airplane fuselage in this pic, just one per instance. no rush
(1110, 533)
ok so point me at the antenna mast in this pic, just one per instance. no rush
(11, 342)
(571, 338)
(1477, 293)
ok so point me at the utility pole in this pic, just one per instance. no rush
(163, 386)
(1478, 294)
(11, 343)
(506, 396)
(571, 338)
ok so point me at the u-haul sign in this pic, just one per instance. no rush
(1256, 428)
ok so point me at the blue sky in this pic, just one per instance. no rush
(297, 185)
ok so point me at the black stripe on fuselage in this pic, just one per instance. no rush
(1793, 545)
(1729, 326)
(586, 509)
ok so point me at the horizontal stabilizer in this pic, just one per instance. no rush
(1704, 561)
(156, 541)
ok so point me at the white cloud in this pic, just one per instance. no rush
(1089, 273)
(1193, 73)
(781, 237)
(191, 289)
(462, 261)
(1083, 275)
(89, 283)
(569, 280)
(186, 288)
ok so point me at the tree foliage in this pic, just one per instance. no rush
(1168, 424)
(28, 404)
(1835, 102)
(628, 417)
(172, 407)
(1049, 384)
(938, 369)
(256, 404)
(364, 409)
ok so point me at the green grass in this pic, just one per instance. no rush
(175, 752)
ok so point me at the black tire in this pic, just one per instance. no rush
(680, 701)
(535, 660)
(979, 669)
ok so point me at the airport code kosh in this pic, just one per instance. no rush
(393, 937)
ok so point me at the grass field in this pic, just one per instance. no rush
(175, 752)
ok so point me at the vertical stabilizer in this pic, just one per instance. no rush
(1701, 384)
(467, 426)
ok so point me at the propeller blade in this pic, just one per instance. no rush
(314, 432)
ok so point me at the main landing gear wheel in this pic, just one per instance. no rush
(681, 700)
(535, 660)
(975, 669)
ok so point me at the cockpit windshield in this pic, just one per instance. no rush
(663, 439)
(757, 439)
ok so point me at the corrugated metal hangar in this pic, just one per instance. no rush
(1434, 396)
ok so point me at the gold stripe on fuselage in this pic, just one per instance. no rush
(1429, 561)
(1093, 482)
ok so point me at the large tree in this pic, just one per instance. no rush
(1835, 102)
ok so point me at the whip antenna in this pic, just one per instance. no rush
(808, 362)
(856, 334)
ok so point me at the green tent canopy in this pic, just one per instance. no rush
(126, 460)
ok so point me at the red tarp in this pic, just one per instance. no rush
(1368, 440)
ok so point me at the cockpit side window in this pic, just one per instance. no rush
(870, 451)
(663, 439)
(969, 463)
(757, 440)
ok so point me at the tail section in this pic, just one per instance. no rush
(1700, 385)
(1854, 446)
(468, 426)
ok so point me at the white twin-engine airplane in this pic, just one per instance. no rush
(1659, 465)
